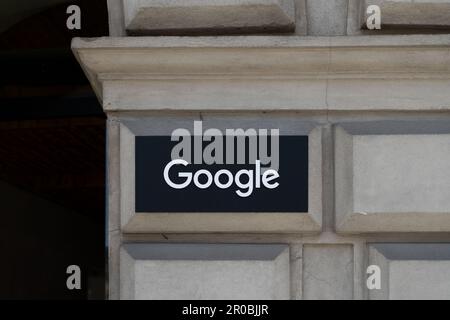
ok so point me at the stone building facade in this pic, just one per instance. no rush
(373, 103)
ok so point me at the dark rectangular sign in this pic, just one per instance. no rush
(220, 187)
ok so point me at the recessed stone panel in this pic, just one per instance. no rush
(204, 272)
(412, 13)
(393, 176)
(412, 271)
(194, 17)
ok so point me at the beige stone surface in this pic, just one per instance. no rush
(194, 17)
(411, 271)
(205, 272)
(269, 73)
(413, 13)
(419, 280)
(327, 17)
(392, 178)
(328, 272)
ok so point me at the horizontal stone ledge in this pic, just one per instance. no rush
(269, 73)
(134, 57)
(277, 95)
(260, 42)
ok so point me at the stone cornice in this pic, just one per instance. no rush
(269, 72)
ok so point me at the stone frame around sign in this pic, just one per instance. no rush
(132, 222)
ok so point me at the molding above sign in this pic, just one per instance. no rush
(268, 73)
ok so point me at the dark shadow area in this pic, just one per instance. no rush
(52, 154)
